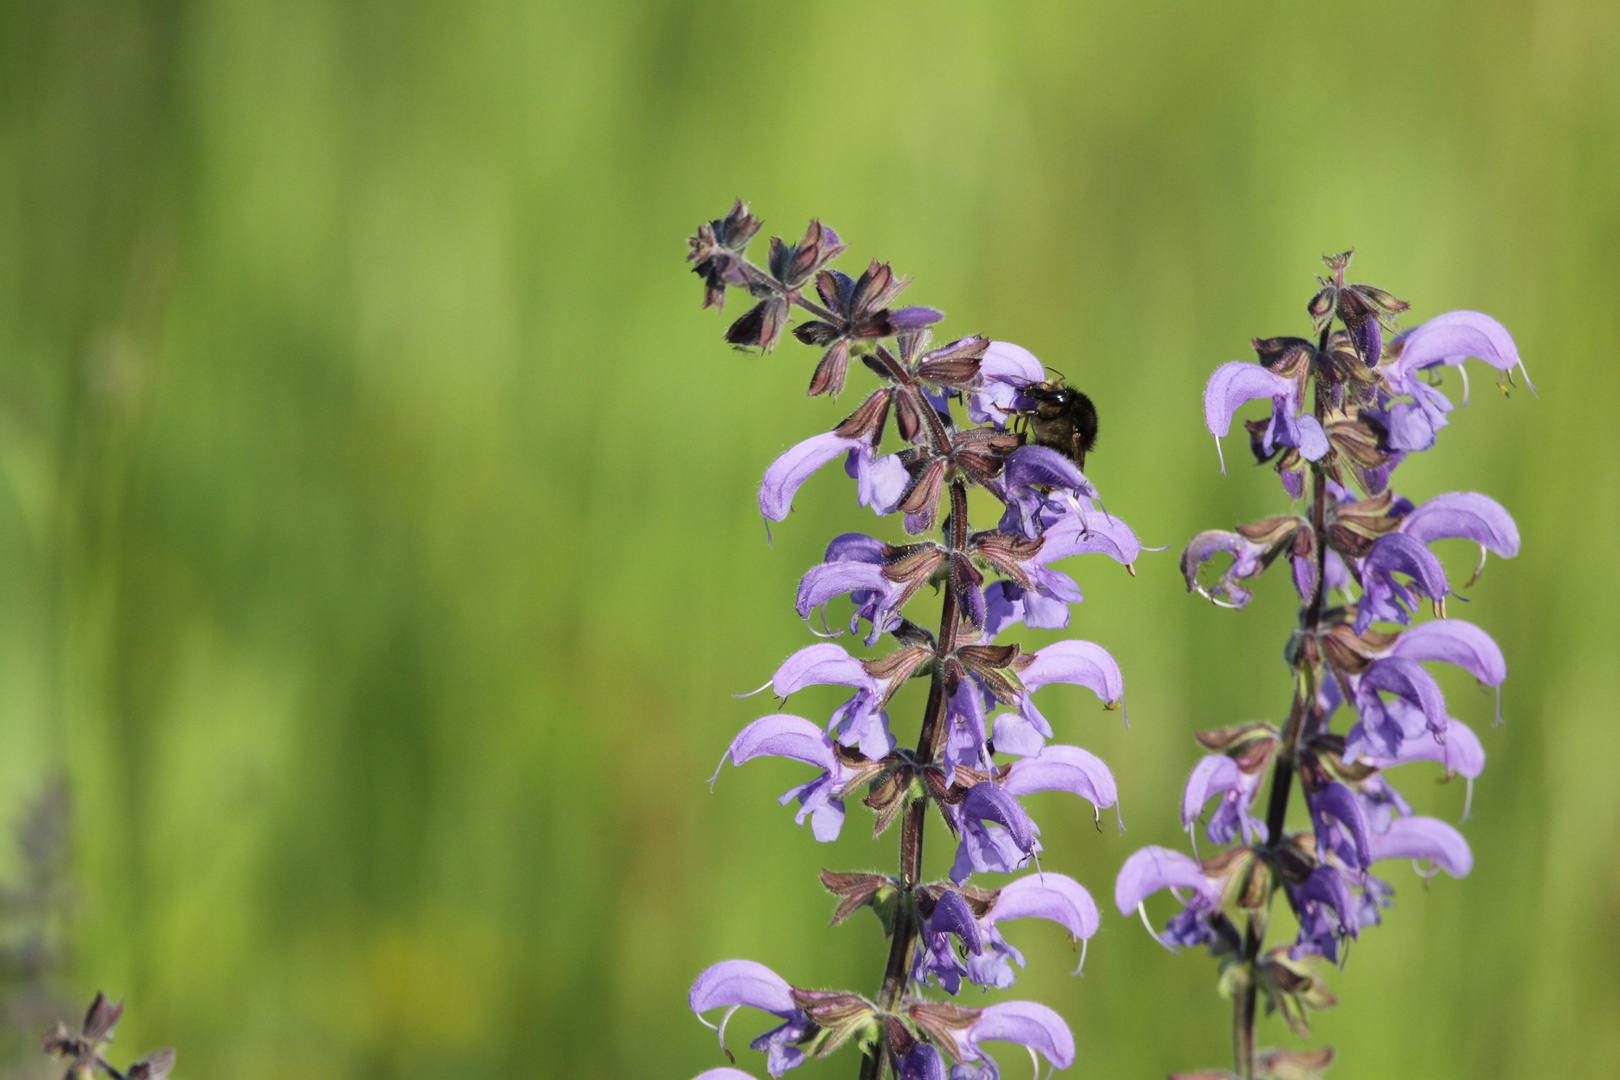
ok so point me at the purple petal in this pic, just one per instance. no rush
(855, 547)
(1028, 1023)
(1215, 775)
(988, 802)
(879, 483)
(788, 472)
(1032, 465)
(1313, 442)
(1400, 553)
(784, 735)
(1453, 337)
(819, 665)
(1460, 753)
(1425, 838)
(822, 583)
(914, 318)
(953, 916)
(1465, 515)
(1453, 641)
(1339, 802)
(1235, 384)
(1047, 896)
(1004, 368)
(723, 1074)
(1013, 734)
(1153, 868)
(1079, 662)
(1064, 768)
(1099, 532)
(922, 1063)
(742, 982)
(1403, 677)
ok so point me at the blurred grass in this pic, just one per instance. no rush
(377, 540)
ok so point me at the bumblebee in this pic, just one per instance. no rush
(1063, 419)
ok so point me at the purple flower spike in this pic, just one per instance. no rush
(789, 472)
(997, 835)
(1425, 838)
(1027, 1023)
(731, 984)
(1237, 383)
(1153, 868)
(1064, 768)
(1386, 599)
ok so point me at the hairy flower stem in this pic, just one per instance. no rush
(904, 939)
(1245, 999)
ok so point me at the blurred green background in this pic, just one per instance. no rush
(378, 552)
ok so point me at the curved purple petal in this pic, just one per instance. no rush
(1401, 553)
(1028, 1023)
(1339, 802)
(1465, 515)
(1453, 641)
(1047, 896)
(784, 735)
(1215, 775)
(989, 802)
(1454, 337)
(723, 1074)
(1460, 752)
(953, 916)
(1064, 768)
(1425, 838)
(1153, 868)
(821, 664)
(1079, 662)
(830, 579)
(742, 982)
(1403, 677)
(855, 547)
(1236, 383)
(1102, 533)
(789, 472)
(1036, 465)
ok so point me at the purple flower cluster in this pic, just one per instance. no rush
(1346, 410)
(983, 742)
